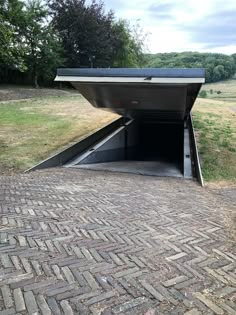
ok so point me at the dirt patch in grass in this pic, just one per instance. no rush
(31, 130)
(12, 92)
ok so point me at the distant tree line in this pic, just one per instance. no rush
(36, 37)
(218, 66)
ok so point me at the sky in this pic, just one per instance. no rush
(182, 25)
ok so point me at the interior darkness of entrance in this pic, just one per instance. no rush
(161, 142)
(148, 148)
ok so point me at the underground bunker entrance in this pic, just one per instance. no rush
(161, 142)
(147, 148)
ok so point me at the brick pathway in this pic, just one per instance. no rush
(84, 242)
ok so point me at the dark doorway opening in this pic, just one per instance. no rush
(148, 148)
(161, 142)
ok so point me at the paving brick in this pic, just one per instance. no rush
(217, 310)
(9, 311)
(128, 305)
(101, 297)
(43, 305)
(64, 288)
(72, 293)
(81, 242)
(7, 298)
(153, 292)
(91, 281)
(126, 272)
(174, 281)
(193, 311)
(68, 274)
(225, 291)
(19, 300)
(66, 307)
(30, 302)
(52, 303)
(229, 310)
(176, 256)
(86, 296)
(38, 284)
(185, 284)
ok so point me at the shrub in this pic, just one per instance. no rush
(203, 94)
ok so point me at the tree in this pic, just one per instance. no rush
(203, 94)
(127, 49)
(218, 73)
(86, 32)
(11, 48)
(92, 37)
(218, 66)
(234, 58)
(43, 52)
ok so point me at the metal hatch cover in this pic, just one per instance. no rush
(159, 94)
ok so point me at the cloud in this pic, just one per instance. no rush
(217, 30)
(160, 11)
(178, 25)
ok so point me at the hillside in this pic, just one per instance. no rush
(218, 66)
(214, 119)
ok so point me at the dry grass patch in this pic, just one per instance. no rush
(224, 90)
(215, 124)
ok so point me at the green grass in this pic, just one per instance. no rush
(25, 134)
(217, 147)
(32, 130)
(215, 124)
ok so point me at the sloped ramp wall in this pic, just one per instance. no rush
(119, 145)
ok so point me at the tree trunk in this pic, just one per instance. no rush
(36, 85)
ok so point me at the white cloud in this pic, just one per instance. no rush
(180, 25)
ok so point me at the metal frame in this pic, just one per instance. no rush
(187, 158)
(147, 73)
(195, 155)
(144, 80)
(68, 154)
(78, 151)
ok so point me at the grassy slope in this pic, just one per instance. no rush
(215, 124)
(32, 130)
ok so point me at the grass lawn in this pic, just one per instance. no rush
(214, 120)
(31, 130)
(221, 91)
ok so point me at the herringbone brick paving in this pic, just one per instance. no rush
(84, 242)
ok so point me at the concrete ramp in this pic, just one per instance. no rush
(150, 168)
(156, 149)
